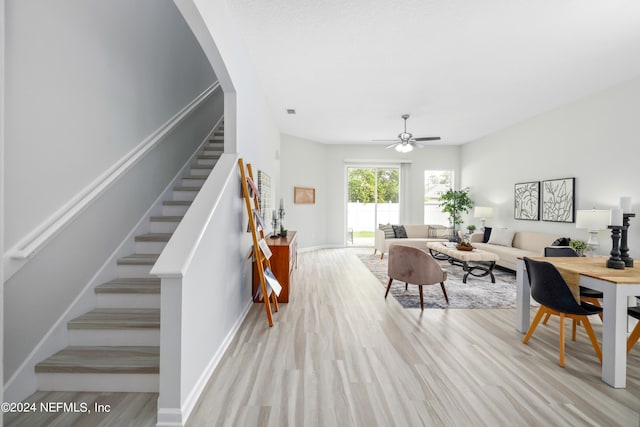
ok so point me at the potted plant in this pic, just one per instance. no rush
(579, 246)
(455, 203)
(471, 228)
(283, 231)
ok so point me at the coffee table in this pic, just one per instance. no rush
(483, 261)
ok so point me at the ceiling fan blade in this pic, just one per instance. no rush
(428, 138)
(391, 146)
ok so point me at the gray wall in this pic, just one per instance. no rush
(594, 139)
(87, 81)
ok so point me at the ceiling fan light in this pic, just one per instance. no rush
(404, 148)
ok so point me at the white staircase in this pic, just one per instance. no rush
(116, 346)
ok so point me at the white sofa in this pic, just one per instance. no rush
(524, 243)
(417, 236)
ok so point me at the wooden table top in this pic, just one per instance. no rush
(595, 267)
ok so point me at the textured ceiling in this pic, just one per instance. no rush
(461, 68)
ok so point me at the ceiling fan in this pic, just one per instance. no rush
(406, 141)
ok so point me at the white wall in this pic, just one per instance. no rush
(87, 81)
(310, 164)
(594, 139)
(2, 25)
(304, 164)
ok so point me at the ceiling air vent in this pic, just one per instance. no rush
(291, 111)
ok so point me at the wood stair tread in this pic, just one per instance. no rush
(179, 202)
(167, 218)
(133, 285)
(138, 259)
(187, 188)
(117, 318)
(103, 360)
(154, 237)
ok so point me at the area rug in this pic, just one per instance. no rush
(478, 292)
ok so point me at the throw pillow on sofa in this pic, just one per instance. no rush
(487, 233)
(399, 231)
(562, 241)
(388, 231)
(502, 237)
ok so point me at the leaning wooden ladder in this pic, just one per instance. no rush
(257, 233)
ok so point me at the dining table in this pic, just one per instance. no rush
(618, 288)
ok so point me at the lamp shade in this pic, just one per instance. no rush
(592, 219)
(482, 212)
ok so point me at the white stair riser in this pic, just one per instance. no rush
(212, 151)
(193, 182)
(198, 171)
(163, 226)
(148, 383)
(207, 162)
(114, 337)
(174, 210)
(104, 300)
(137, 271)
(184, 195)
(150, 247)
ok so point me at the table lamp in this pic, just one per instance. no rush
(593, 220)
(483, 213)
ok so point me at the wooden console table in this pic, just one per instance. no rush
(283, 260)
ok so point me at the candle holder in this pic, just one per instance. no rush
(274, 223)
(281, 213)
(614, 260)
(624, 246)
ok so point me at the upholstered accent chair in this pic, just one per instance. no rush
(414, 266)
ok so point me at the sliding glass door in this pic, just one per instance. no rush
(372, 199)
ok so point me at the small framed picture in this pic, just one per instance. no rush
(304, 195)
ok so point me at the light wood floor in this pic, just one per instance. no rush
(339, 354)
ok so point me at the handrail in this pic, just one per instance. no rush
(42, 234)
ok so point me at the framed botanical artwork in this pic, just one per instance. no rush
(526, 197)
(558, 200)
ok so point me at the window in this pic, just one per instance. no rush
(435, 184)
